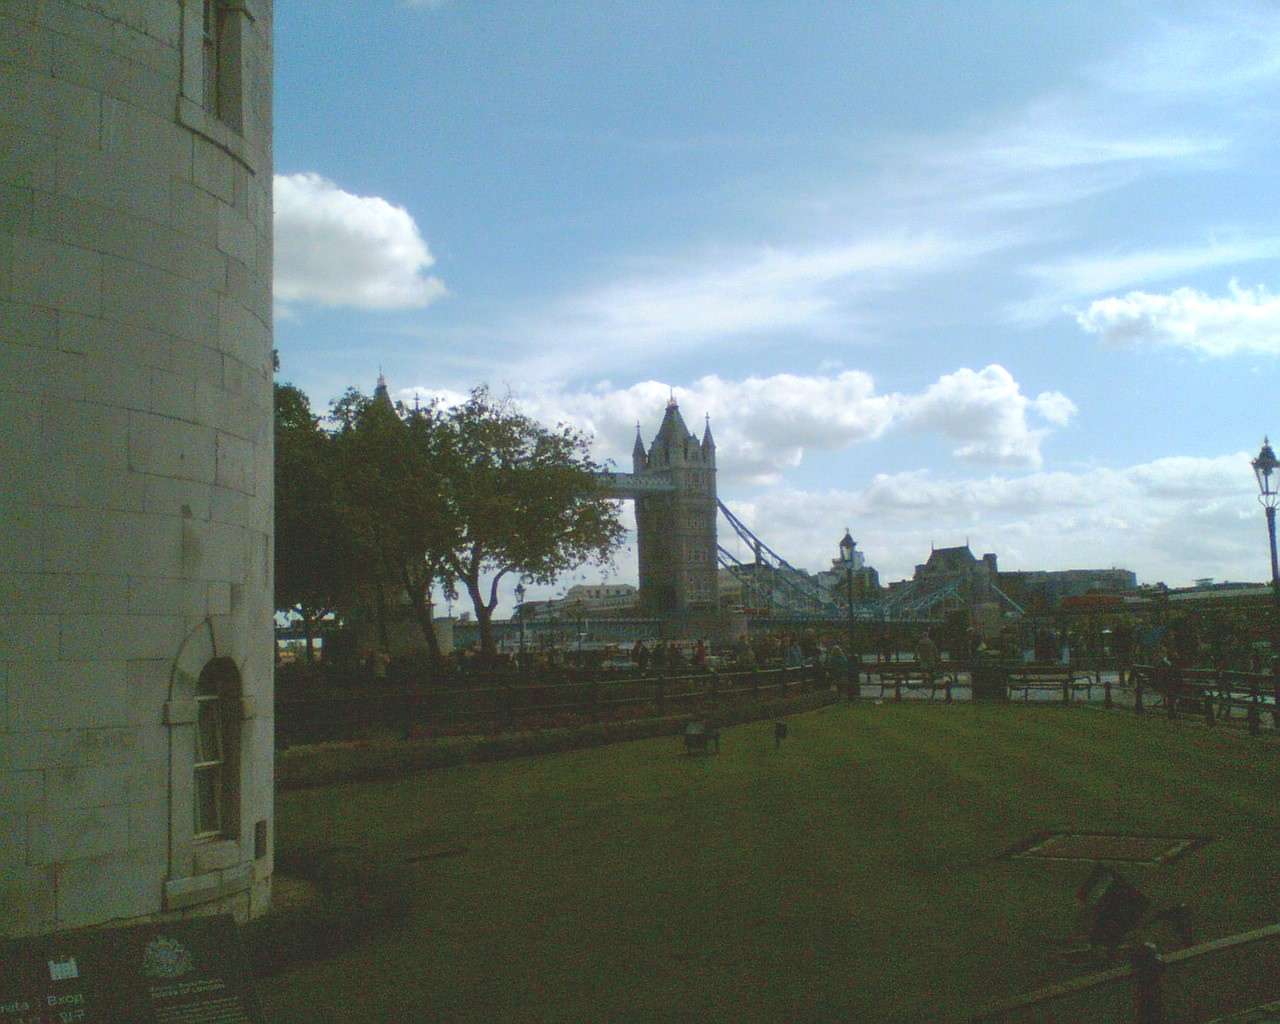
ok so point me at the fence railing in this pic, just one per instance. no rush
(533, 699)
(524, 701)
(1187, 986)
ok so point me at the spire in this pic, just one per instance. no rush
(639, 459)
(708, 442)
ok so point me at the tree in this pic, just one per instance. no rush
(392, 504)
(312, 559)
(519, 499)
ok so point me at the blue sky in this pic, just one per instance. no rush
(1001, 274)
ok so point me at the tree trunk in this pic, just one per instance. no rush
(424, 612)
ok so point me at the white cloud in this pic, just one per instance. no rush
(731, 296)
(333, 248)
(1247, 320)
(764, 426)
(985, 414)
(1173, 519)
(1072, 279)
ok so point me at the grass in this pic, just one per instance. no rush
(856, 873)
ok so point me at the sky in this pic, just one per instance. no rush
(999, 274)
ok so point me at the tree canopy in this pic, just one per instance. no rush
(389, 501)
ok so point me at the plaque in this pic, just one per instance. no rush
(180, 972)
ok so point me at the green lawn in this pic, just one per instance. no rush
(857, 873)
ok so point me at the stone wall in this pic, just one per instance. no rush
(135, 460)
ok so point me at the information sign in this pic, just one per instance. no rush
(180, 972)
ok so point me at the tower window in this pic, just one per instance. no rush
(221, 63)
(217, 693)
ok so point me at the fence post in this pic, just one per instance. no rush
(1255, 713)
(1147, 969)
(1106, 692)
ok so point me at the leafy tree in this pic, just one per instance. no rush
(312, 558)
(392, 503)
(518, 499)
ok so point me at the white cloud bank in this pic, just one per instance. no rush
(1246, 321)
(763, 426)
(333, 248)
(1186, 518)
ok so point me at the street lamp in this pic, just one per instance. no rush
(852, 660)
(520, 615)
(1264, 468)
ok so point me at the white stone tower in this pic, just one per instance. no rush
(135, 460)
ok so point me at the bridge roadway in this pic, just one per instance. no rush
(628, 485)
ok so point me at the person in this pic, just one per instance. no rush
(927, 657)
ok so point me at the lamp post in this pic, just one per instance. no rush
(1264, 468)
(520, 615)
(852, 659)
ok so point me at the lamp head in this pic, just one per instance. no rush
(1264, 468)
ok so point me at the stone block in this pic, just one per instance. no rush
(57, 276)
(139, 189)
(28, 637)
(22, 792)
(28, 160)
(82, 788)
(179, 499)
(22, 327)
(16, 208)
(148, 825)
(38, 695)
(79, 540)
(215, 551)
(85, 434)
(235, 463)
(120, 636)
(57, 838)
(123, 884)
(24, 45)
(27, 904)
(173, 448)
(46, 593)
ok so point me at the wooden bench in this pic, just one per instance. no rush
(909, 677)
(1062, 680)
(701, 735)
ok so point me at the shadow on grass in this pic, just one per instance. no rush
(348, 899)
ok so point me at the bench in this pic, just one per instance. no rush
(911, 677)
(700, 735)
(1062, 680)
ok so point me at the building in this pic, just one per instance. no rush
(674, 486)
(135, 497)
(1042, 592)
(850, 578)
(951, 581)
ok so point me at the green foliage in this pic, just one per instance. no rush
(313, 559)
(325, 764)
(392, 500)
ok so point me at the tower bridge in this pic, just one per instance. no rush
(673, 485)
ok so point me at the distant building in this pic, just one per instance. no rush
(136, 519)
(1041, 592)
(952, 580)
(598, 598)
(849, 573)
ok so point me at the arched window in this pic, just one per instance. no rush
(216, 746)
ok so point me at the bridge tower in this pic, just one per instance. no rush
(676, 525)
